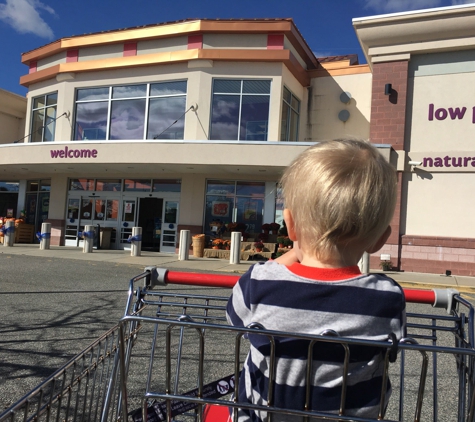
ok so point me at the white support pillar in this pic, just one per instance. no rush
(9, 234)
(136, 241)
(235, 253)
(185, 241)
(363, 263)
(45, 235)
(88, 236)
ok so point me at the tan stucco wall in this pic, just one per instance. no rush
(12, 117)
(441, 204)
(443, 91)
(58, 195)
(440, 198)
(11, 128)
(325, 105)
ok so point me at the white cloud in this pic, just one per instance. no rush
(24, 17)
(392, 6)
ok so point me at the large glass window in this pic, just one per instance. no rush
(37, 202)
(146, 111)
(240, 110)
(235, 201)
(43, 118)
(290, 117)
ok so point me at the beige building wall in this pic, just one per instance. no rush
(441, 135)
(12, 117)
(438, 205)
(325, 106)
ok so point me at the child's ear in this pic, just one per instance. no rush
(381, 241)
(289, 222)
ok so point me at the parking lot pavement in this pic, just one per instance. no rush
(54, 303)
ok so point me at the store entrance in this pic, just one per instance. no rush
(150, 219)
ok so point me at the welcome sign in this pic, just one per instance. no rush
(73, 153)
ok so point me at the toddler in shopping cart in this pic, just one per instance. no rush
(339, 199)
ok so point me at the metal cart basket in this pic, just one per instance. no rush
(172, 355)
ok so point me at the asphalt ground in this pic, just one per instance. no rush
(51, 308)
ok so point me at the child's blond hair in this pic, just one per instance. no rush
(340, 193)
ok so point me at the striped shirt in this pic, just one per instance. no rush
(310, 300)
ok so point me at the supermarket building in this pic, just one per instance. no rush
(176, 125)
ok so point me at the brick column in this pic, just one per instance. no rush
(388, 112)
(388, 121)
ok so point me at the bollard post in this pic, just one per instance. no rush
(363, 263)
(88, 236)
(235, 253)
(9, 233)
(45, 235)
(136, 241)
(184, 251)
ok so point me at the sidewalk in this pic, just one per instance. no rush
(408, 280)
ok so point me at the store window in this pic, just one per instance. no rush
(234, 201)
(166, 185)
(240, 110)
(37, 202)
(290, 117)
(43, 118)
(81, 184)
(108, 185)
(8, 199)
(128, 112)
(137, 185)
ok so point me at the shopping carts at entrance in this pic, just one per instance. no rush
(173, 354)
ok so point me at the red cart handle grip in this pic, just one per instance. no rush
(439, 298)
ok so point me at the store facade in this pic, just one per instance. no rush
(172, 126)
(423, 67)
(175, 126)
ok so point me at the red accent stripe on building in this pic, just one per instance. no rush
(275, 41)
(130, 49)
(33, 66)
(72, 56)
(195, 42)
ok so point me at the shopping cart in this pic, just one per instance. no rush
(172, 355)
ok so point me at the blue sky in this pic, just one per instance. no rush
(326, 25)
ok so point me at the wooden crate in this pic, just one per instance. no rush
(24, 233)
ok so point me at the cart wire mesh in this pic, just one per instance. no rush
(173, 354)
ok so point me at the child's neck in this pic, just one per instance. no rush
(337, 261)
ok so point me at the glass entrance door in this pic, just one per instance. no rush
(72, 222)
(150, 219)
(128, 220)
(169, 227)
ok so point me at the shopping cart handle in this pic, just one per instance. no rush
(444, 298)
(438, 298)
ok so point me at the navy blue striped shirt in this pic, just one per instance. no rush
(310, 300)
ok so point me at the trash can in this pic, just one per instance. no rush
(198, 242)
(106, 237)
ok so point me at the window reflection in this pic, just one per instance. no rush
(137, 185)
(166, 185)
(91, 121)
(240, 110)
(162, 113)
(81, 184)
(109, 185)
(127, 119)
(112, 209)
(118, 113)
(235, 201)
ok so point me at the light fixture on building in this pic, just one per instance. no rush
(388, 89)
(344, 115)
(345, 97)
(414, 164)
